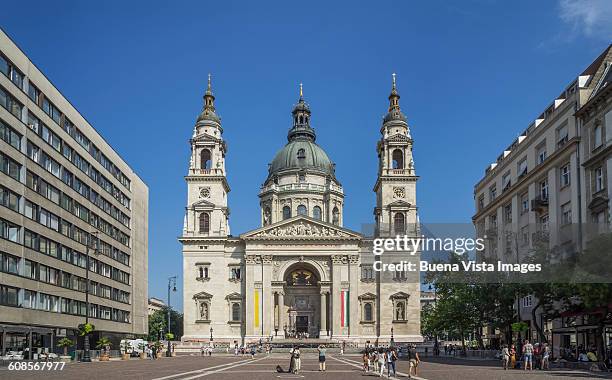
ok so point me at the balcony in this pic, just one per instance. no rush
(539, 204)
(301, 186)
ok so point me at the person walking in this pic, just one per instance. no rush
(505, 354)
(253, 351)
(322, 351)
(366, 361)
(512, 356)
(298, 360)
(545, 357)
(291, 360)
(381, 361)
(528, 355)
(391, 358)
(414, 360)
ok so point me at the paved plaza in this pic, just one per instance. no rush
(188, 367)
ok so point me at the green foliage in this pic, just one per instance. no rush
(104, 343)
(86, 328)
(158, 321)
(65, 342)
(169, 336)
(519, 327)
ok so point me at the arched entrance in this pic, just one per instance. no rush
(302, 297)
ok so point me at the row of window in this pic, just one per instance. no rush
(11, 200)
(71, 155)
(399, 311)
(8, 69)
(39, 156)
(204, 311)
(28, 299)
(12, 232)
(303, 210)
(203, 272)
(43, 273)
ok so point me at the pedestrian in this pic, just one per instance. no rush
(505, 354)
(342, 348)
(298, 360)
(545, 357)
(413, 360)
(391, 358)
(153, 352)
(528, 355)
(322, 351)
(382, 358)
(292, 360)
(537, 355)
(253, 351)
(366, 361)
(512, 356)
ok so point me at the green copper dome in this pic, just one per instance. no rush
(301, 154)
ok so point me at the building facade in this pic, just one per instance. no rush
(301, 273)
(549, 187)
(64, 192)
(155, 304)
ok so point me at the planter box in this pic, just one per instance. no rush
(65, 359)
(143, 355)
(104, 358)
(125, 356)
(159, 355)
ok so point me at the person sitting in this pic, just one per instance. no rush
(583, 357)
(591, 356)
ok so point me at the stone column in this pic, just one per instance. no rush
(323, 332)
(281, 313)
(267, 301)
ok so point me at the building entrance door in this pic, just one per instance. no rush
(301, 324)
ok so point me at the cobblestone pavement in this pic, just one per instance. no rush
(190, 367)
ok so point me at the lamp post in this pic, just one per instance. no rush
(86, 355)
(392, 340)
(211, 332)
(171, 286)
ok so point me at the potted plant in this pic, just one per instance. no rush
(104, 344)
(159, 347)
(65, 343)
(125, 348)
(142, 348)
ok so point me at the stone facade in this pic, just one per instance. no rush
(302, 272)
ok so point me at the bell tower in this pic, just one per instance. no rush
(395, 212)
(207, 214)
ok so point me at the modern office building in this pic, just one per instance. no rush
(155, 304)
(550, 183)
(64, 193)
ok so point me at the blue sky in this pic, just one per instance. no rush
(472, 76)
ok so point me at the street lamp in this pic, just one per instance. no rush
(211, 331)
(86, 355)
(392, 341)
(171, 286)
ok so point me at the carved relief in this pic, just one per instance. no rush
(339, 259)
(399, 192)
(303, 229)
(204, 192)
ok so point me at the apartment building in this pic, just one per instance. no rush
(550, 182)
(64, 193)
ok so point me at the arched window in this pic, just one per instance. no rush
(301, 119)
(398, 159)
(301, 210)
(286, 212)
(301, 153)
(399, 223)
(235, 311)
(335, 216)
(204, 314)
(316, 212)
(204, 222)
(367, 312)
(400, 311)
(205, 161)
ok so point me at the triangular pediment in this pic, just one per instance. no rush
(398, 137)
(202, 295)
(301, 227)
(399, 295)
(205, 137)
(367, 296)
(399, 203)
(233, 296)
(202, 203)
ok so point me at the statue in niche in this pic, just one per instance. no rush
(399, 311)
(204, 311)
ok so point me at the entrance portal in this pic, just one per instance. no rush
(301, 324)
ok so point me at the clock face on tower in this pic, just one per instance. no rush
(205, 192)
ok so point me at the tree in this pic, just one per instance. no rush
(65, 343)
(158, 321)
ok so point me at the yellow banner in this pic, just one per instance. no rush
(256, 311)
